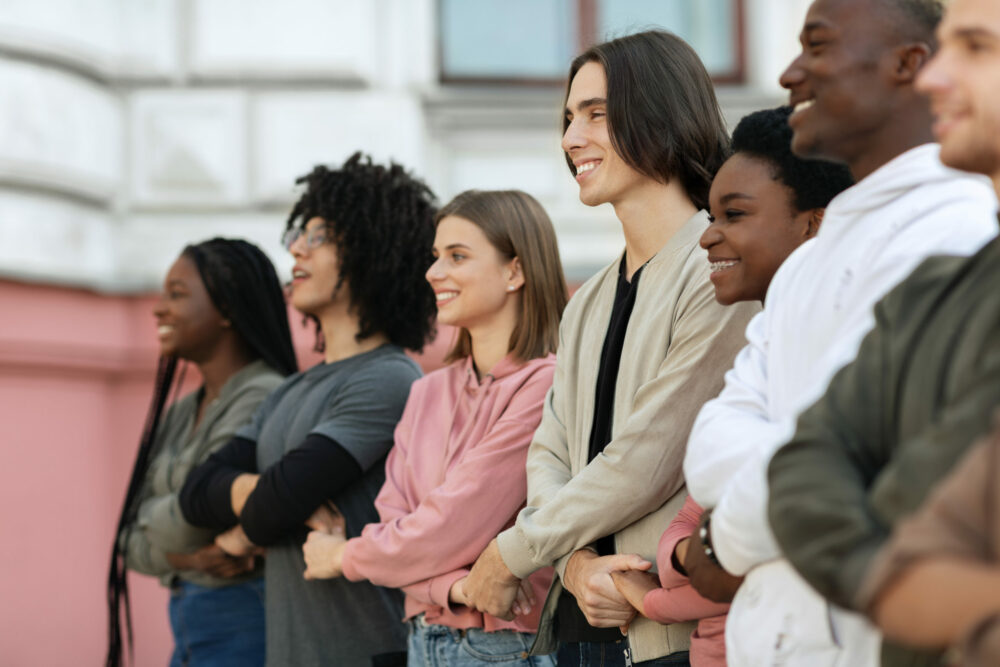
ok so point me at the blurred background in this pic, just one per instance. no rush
(129, 128)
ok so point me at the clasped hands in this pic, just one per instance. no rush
(493, 589)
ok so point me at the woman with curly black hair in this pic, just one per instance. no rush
(221, 309)
(361, 236)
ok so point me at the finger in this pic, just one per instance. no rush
(624, 630)
(622, 562)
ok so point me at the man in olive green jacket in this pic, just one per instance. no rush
(926, 380)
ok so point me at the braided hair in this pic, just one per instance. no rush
(382, 222)
(244, 288)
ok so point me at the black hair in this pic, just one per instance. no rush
(663, 117)
(766, 135)
(244, 288)
(915, 20)
(382, 223)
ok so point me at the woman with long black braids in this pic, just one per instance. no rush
(222, 308)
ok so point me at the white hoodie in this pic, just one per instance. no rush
(818, 308)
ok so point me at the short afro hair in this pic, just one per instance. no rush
(767, 136)
(914, 20)
(382, 222)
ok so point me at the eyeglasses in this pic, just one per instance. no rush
(314, 237)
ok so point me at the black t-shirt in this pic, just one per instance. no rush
(571, 624)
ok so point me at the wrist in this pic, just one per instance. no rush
(574, 565)
(705, 539)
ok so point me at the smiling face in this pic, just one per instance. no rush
(603, 176)
(473, 283)
(187, 322)
(963, 83)
(754, 228)
(837, 86)
(316, 272)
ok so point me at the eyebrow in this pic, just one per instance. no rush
(175, 281)
(726, 198)
(973, 33)
(586, 104)
(452, 246)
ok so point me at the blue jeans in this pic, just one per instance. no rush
(612, 654)
(441, 646)
(217, 627)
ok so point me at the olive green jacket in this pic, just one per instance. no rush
(891, 424)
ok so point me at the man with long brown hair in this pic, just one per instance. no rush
(642, 345)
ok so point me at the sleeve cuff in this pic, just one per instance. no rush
(440, 588)
(347, 565)
(514, 551)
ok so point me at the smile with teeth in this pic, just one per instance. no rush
(164, 330)
(802, 106)
(724, 264)
(586, 166)
(445, 296)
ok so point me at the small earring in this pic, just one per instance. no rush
(510, 288)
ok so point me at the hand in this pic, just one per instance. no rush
(324, 554)
(588, 578)
(328, 519)
(525, 599)
(241, 489)
(710, 580)
(491, 587)
(634, 584)
(213, 561)
(236, 543)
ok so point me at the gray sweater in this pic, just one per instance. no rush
(160, 527)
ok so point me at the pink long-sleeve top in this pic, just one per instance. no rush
(677, 601)
(454, 479)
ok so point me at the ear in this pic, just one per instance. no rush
(813, 221)
(909, 59)
(808, 222)
(515, 275)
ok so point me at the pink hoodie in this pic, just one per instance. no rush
(678, 601)
(454, 479)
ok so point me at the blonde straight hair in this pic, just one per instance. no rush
(517, 226)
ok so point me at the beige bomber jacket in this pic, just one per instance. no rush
(679, 344)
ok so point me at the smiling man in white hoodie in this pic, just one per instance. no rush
(853, 90)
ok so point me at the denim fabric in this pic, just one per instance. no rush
(441, 646)
(612, 654)
(217, 627)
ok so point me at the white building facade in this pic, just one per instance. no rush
(129, 128)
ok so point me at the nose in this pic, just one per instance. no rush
(711, 236)
(435, 271)
(933, 77)
(573, 138)
(794, 74)
(159, 307)
(298, 248)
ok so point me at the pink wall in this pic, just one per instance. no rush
(76, 372)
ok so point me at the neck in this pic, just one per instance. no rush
(228, 360)
(908, 129)
(650, 218)
(340, 341)
(491, 340)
